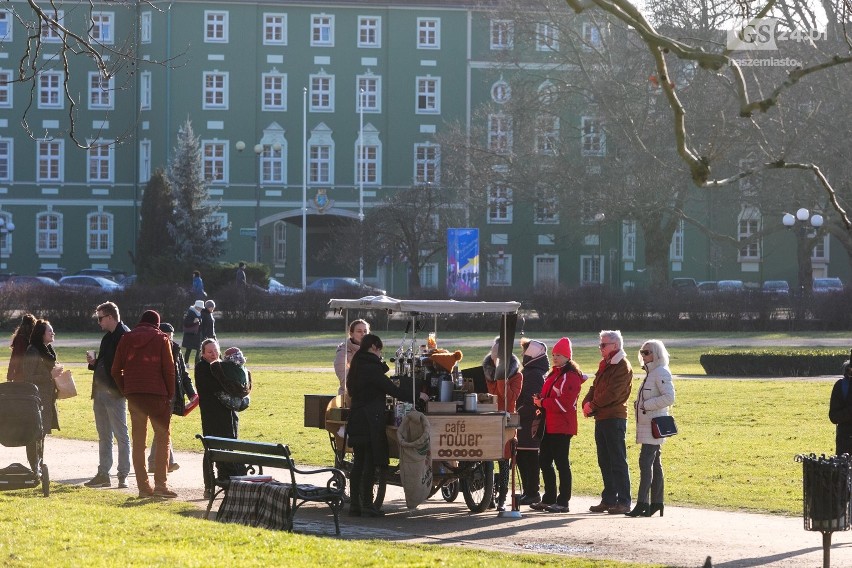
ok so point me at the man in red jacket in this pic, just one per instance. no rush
(144, 370)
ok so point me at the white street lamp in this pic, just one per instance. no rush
(805, 221)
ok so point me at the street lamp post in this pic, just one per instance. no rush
(6, 228)
(258, 150)
(599, 219)
(805, 221)
(362, 170)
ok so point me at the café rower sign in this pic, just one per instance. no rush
(473, 437)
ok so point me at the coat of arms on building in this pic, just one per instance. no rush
(322, 202)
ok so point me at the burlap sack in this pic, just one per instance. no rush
(415, 460)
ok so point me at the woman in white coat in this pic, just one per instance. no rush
(653, 399)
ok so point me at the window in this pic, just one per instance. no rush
(593, 137)
(499, 269)
(748, 225)
(49, 160)
(320, 164)
(99, 233)
(545, 271)
(368, 91)
(145, 27)
(6, 159)
(5, 25)
(628, 240)
(676, 247)
(820, 250)
(590, 270)
(546, 207)
(213, 155)
(426, 163)
(100, 161)
(215, 27)
(499, 204)
(369, 31)
(49, 233)
(215, 90)
(101, 30)
(5, 89)
(272, 165)
(428, 95)
(501, 92)
(275, 29)
(50, 33)
(428, 33)
(145, 90)
(322, 30)
(499, 133)
(322, 93)
(502, 34)
(6, 237)
(591, 37)
(220, 221)
(279, 244)
(547, 93)
(274, 91)
(546, 37)
(368, 158)
(144, 161)
(429, 276)
(546, 134)
(100, 91)
(49, 90)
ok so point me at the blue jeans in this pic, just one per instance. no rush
(610, 436)
(111, 422)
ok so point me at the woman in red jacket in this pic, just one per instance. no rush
(559, 400)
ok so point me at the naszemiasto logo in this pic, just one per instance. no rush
(763, 34)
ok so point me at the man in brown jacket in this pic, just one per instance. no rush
(607, 402)
(144, 370)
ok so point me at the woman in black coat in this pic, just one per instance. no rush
(367, 385)
(40, 368)
(536, 367)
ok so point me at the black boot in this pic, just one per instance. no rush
(355, 505)
(654, 508)
(640, 510)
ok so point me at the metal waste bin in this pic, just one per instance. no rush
(826, 505)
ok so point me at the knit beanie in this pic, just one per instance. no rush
(563, 347)
(150, 316)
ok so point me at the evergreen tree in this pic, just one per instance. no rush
(196, 234)
(155, 244)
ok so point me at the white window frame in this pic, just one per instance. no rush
(820, 252)
(144, 161)
(220, 219)
(322, 30)
(53, 89)
(279, 243)
(215, 26)
(628, 240)
(101, 236)
(371, 98)
(6, 21)
(589, 264)
(427, 163)
(500, 133)
(145, 79)
(593, 136)
(320, 164)
(321, 92)
(50, 33)
(215, 96)
(501, 92)
(500, 206)
(214, 161)
(53, 158)
(274, 24)
(49, 239)
(592, 37)
(371, 164)
(546, 134)
(7, 159)
(677, 244)
(273, 91)
(429, 276)
(6, 239)
(100, 161)
(546, 37)
(273, 164)
(101, 92)
(428, 33)
(499, 270)
(145, 27)
(370, 25)
(6, 90)
(546, 207)
(502, 34)
(539, 261)
(427, 99)
(102, 27)
(748, 223)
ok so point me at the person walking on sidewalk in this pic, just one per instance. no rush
(108, 404)
(144, 370)
(606, 401)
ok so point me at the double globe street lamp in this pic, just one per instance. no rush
(258, 150)
(804, 243)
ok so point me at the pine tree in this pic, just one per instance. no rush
(155, 244)
(197, 236)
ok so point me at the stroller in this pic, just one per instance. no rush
(21, 425)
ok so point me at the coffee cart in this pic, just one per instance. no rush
(465, 439)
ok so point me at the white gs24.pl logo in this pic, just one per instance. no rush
(762, 34)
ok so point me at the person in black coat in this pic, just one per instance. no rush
(840, 410)
(536, 367)
(208, 324)
(367, 385)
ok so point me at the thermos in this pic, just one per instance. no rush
(446, 393)
(470, 402)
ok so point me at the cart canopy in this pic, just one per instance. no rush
(425, 306)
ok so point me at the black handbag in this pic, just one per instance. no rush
(663, 426)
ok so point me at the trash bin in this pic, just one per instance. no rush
(826, 505)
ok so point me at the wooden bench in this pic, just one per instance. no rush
(256, 456)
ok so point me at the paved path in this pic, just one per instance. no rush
(683, 537)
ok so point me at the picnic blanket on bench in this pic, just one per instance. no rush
(265, 504)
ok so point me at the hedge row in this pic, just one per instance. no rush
(774, 363)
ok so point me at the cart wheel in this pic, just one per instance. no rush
(450, 491)
(379, 488)
(477, 486)
(45, 481)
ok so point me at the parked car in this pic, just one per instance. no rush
(55, 273)
(344, 287)
(113, 275)
(276, 287)
(776, 289)
(92, 282)
(23, 280)
(827, 286)
(127, 281)
(708, 287)
(730, 286)
(684, 285)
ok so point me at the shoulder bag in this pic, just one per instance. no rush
(663, 426)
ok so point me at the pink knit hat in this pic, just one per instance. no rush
(563, 347)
